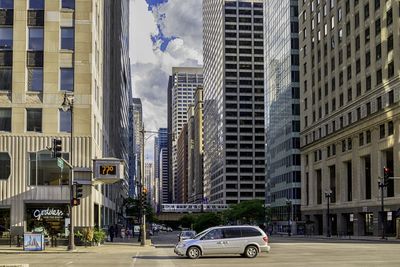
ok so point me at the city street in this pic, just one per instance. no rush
(284, 252)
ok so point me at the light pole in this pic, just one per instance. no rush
(328, 196)
(68, 104)
(143, 213)
(289, 206)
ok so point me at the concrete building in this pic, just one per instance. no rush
(282, 110)
(349, 69)
(48, 48)
(190, 151)
(198, 147)
(160, 142)
(164, 177)
(183, 83)
(181, 182)
(137, 136)
(149, 182)
(234, 141)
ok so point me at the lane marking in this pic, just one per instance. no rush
(135, 259)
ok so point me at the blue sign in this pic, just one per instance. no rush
(33, 242)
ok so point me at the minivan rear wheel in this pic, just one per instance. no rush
(193, 252)
(251, 251)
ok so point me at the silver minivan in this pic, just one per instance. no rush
(245, 240)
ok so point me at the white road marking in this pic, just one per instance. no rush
(135, 259)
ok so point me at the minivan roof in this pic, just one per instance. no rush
(234, 226)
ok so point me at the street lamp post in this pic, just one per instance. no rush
(382, 186)
(68, 104)
(289, 206)
(328, 196)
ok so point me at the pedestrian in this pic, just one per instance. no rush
(111, 233)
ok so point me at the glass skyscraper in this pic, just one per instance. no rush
(282, 111)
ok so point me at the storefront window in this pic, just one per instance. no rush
(43, 170)
(4, 223)
(49, 219)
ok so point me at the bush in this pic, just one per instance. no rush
(99, 236)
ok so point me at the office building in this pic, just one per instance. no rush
(137, 136)
(181, 181)
(234, 141)
(349, 69)
(282, 110)
(198, 148)
(183, 83)
(47, 49)
(160, 142)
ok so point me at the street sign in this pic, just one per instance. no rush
(60, 163)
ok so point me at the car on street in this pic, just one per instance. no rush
(184, 235)
(245, 240)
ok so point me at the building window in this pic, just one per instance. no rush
(36, 4)
(33, 120)
(67, 79)
(390, 128)
(5, 79)
(361, 139)
(5, 166)
(36, 39)
(368, 83)
(367, 59)
(377, 4)
(6, 38)
(67, 38)
(391, 69)
(390, 43)
(70, 4)
(65, 121)
(379, 76)
(378, 51)
(382, 131)
(367, 35)
(43, 170)
(368, 136)
(5, 119)
(391, 97)
(366, 11)
(7, 4)
(377, 26)
(35, 79)
(379, 103)
(389, 17)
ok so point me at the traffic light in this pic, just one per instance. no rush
(56, 149)
(143, 198)
(386, 175)
(79, 191)
(76, 201)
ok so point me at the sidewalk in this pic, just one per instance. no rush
(132, 242)
(339, 238)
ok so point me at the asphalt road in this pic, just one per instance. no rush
(284, 252)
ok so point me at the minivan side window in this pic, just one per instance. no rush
(214, 234)
(247, 232)
(232, 233)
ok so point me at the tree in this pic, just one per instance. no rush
(248, 212)
(206, 220)
(187, 221)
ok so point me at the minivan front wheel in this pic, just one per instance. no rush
(193, 252)
(251, 251)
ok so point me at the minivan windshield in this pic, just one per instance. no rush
(200, 234)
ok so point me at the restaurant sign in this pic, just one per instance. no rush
(49, 213)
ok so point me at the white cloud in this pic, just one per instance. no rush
(151, 66)
(142, 26)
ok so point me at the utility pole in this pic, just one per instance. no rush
(143, 214)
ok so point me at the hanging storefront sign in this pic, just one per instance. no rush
(49, 213)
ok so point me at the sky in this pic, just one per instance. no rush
(163, 34)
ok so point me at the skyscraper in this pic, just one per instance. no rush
(234, 142)
(137, 127)
(183, 83)
(282, 110)
(48, 49)
(160, 142)
(349, 69)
